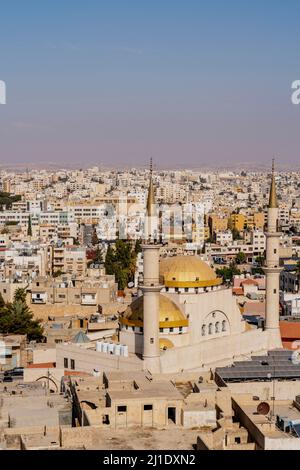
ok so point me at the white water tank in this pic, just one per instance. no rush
(125, 350)
(105, 347)
(99, 346)
(111, 348)
(117, 349)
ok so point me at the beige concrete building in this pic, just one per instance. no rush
(73, 290)
(68, 260)
(12, 351)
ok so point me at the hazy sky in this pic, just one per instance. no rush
(188, 82)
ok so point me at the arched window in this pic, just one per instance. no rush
(224, 325)
(217, 327)
(210, 329)
(203, 330)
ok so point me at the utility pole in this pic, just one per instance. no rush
(272, 376)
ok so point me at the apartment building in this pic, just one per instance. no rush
(69, 290)
(68, 260)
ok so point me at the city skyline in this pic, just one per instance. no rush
(206, 85)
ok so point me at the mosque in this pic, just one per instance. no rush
(185, 318)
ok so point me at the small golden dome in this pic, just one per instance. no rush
(165, 343)
(170, 316)
(187, 271)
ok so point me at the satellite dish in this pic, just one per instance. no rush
(263, 408)
(296, 357)
(130, 284)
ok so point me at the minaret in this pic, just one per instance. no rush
(151, 214)
(272, 269)
(151, 286)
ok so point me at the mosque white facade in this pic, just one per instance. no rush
(186, 319)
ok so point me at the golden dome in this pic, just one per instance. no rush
(170, 316)
(165, 343)
(187, 271)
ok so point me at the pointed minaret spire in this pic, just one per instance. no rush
(150, 198)
(273, 197)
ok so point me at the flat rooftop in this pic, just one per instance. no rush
(282, 408)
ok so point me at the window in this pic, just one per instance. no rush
(105, 419)
(151, 340)
(72, 364)
(203, 330)
(122, 409)
(66, 363)
(148, 407)
(171, 330)
(161, 330)
(217, 327)
(275, 291)
(210, 327)
(224, 325)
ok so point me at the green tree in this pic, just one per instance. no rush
(257, 271)
(29, 227)
(6, 199)
(228, 272)
(121, 261)
(138, 247)
(260, 260)
(58, 273)
(16, 318)
(235, 234)
(2, 303)
(241, 258)
(95, 239)
(109, 260)
(98, 255)
(20, 295)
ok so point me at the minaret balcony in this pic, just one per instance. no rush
(150, 287)
(273, 234)
(272, 269)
